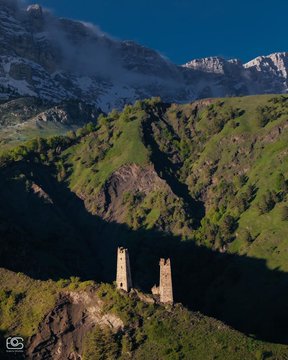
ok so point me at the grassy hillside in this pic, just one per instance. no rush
(230, 154)
(116, 142)
(204, 183)
(168, 333)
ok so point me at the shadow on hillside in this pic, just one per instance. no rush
(56, 238)
(166, 169)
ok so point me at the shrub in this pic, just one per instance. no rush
(284, 213)
(101, 344)
(267, 202)
(228, 225)
(262, 115)
(281, 183)
(246, 236)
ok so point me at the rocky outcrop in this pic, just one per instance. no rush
(276, 64)
(69, 113)
(129, 179)
(30, 110)
(215, 65)
(269, 72)
(38, 191)
(61, 333)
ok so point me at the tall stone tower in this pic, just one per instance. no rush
(123, 278)
(165, 288)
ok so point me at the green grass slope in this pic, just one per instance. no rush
(209, 189)
(166, 333)
(116, 142)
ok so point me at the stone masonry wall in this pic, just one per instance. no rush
(123, 278)
(166, 290)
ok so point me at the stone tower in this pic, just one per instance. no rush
(165, 288)
(123, 278)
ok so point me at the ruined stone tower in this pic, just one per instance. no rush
(123, 278)
(165, 289)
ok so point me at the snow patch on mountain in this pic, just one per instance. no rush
(56, 59)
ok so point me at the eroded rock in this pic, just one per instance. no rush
(61, 333)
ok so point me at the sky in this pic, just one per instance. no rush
(183, 30)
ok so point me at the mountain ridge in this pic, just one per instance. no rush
(58, 59)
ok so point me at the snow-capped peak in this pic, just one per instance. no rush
(55, 59)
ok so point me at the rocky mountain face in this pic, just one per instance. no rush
(29, 109)
(56, 59)
(269, 72)
(62, 333)
(25, 118)
(263, 75)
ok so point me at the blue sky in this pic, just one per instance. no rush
(187, 29)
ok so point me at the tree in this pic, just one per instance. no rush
(90, 127)
(241, 203)
(250, 192)
(100, 344)
(267, 202)
(284, 213)
(240, 181)
(127, 345)
(41, 145)
(281, 183)
(71, 134)
(262, 116)
(228, 225)
(246, 236)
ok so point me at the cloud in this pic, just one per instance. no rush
(94, 28)
(83, 49)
